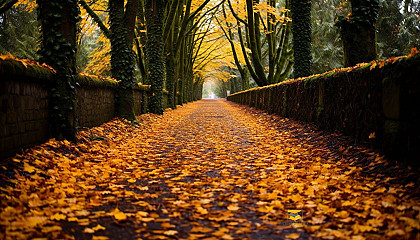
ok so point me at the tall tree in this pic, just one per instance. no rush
(301, 30)
(122, 21)
(122, 18)
(181, 20)
(58, 46)
(267, 32)
(154, 10)
(358, 32)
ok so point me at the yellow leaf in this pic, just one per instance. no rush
(28, 168)
(147, 219)
(201, 229)
(89, 230)
(120, 216)
(34, 201)
(170, 232)
(202, 210)
(413, 52)
(167, 225)
(395, 232)
(142, 214)
(233, 208)
(293, 236)
(98, 227)
(58, 217)
(362, 228)
(47, 229)
(100, 238)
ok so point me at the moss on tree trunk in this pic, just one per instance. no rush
(358, 32)
(122, 61)
(301, 30)
(58, 47)
(154, 53)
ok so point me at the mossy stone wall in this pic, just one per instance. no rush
(25, 104)
(375, 102)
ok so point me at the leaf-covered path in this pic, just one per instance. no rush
(207, 170)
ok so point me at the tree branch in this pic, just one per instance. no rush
(95, 18)
(236, 15)
(4, 6)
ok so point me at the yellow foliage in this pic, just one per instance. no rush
(29, 5)
(100, 57)
(266, 10)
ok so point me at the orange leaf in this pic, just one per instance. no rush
(117, 214)
(293, 236)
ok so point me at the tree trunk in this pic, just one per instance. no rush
(358, 33)
(58, 49)
(359, 42)
(170, 80)
(122, 60)
(154, 53)
(301, 30)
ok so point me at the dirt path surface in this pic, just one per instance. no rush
(207, 170)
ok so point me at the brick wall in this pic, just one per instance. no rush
(24, 109)
(371, 103)
(23, 115)
(94, 105)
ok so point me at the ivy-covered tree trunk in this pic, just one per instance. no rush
(154, 53)
(122, 60)
(170, 80)
(170, 70)
(58, 47)
(301, 30)
(358, 32)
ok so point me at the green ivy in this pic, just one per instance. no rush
(367, 11)
(301, 30)
(58, 47)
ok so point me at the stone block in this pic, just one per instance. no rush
(9, 87)
(13, 129)
(16, 88)
(21, 127)
(26, 89)
(4, 104)
(2, 119)
(30, 126)
(391, 98)
(11, 117)
(7, 144)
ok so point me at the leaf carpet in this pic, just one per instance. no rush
(207, 170)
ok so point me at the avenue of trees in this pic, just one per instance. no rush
(178, 45)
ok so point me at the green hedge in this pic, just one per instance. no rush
(380, 99)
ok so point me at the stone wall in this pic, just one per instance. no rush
(24, 109)
(376, 102)
(94, 105)
(23, 116)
